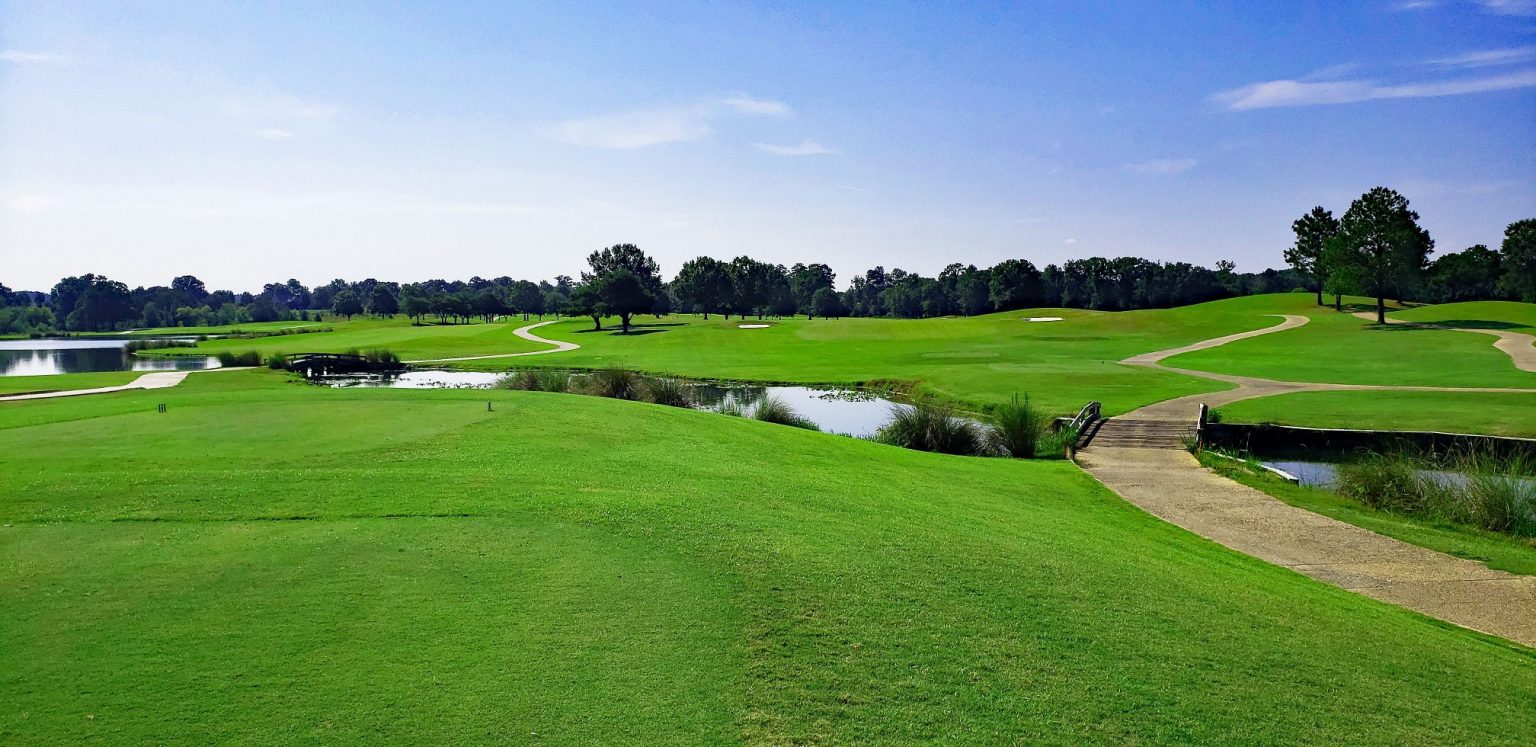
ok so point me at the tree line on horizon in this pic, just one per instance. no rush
(1376, 248)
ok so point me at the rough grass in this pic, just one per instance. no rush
(405, 566)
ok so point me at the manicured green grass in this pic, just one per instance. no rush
(59, 382)
(396, 334)
(1343, 349)
(1496, 551)
(269, 561)
(1458, 412)
(230, 328)
(977, 361)
(1516, 317)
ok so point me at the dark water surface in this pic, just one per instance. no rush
(85, 355)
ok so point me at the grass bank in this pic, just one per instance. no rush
(277, 562)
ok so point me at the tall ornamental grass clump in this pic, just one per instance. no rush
(614, 383)
(1016, 428)
(774, 410)
(229, 359)
(929, 427)
(668, 391)
(1476, 489)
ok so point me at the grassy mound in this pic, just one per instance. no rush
(274, 562)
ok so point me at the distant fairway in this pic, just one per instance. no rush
(1344, 349)
(984, 360)
(415, 568)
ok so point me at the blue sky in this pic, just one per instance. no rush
(251, 142)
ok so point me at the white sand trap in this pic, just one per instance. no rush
(753, 326)
(1042, 318)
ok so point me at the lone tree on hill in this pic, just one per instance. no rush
(620, 293)
(1381, 238)
(1313, 232)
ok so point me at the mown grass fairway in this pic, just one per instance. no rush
(396, 334)
(1341, 348)
(60, 382)
(269, 561)
(1456, 412)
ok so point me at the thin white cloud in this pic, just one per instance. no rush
(22, 56)
(807, 148)
(284, 107)
(1160, 166)
(28, 203)
(650, 127)
(273, 133)
(1277, 93)
(1486, 58)
(1496, 7)
(633, 129)
(1509, 7)
(1069, 242)
(749, 105)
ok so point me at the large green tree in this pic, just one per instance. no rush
(1381, 238)
(623, 294)
(703, 284)
(1519, 254)
(624, 257)
(346, 303)
(1306, 256)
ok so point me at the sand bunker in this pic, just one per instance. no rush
(1042, 318)
(753, 326)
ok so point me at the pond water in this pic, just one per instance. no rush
(46, 357)
(851, 412)
(1326, 474)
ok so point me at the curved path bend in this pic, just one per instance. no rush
(1140, 455)
(1520, 347)
(524, 332)
(155, 380)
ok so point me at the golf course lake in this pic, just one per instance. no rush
(48, 356)
(848, 411)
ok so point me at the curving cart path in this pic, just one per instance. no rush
(1141, 456)
(524, 332)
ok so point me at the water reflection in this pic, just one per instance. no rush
(48, 357)
(847, 411)
(1326, 474)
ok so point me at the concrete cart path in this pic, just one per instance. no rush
(524, 332)
(1141, 456)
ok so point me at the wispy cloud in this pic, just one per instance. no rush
(1496, 7)
(22, 56)
(1160, 166)
(633, 129)
(1277, 93)
(273, 133)
(749, 105)
(807, 148)
(279, 106)
(1486, 58)
(650, 127)
(1509, 7)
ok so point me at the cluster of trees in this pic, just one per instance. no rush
(1377, 248)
